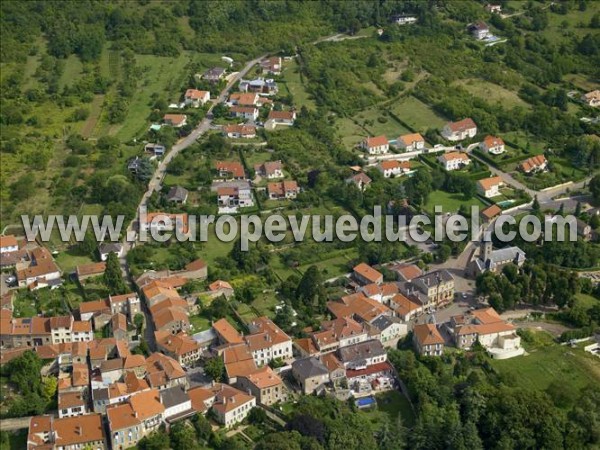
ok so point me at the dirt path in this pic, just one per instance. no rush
(95, 113)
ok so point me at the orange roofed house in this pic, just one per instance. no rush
(239, 131)
(393, 168)
(175, 120)
(8, 244)
(267, 341)
(229, 405)
(196, 98)
(377, 145)
(537, 163)
(365, 274)
(487, 327)
(69, 433)
(493, 145)
(282, 117)
(161, 221)
(489, 187)
(458, 131)
(264, 384)
(411, 142)
(281, 190)
(230, 170)
(129, 422)
(181, 347)
(42, 272)
(454, 160)
(427, 340)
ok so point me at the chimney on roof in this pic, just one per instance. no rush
(78, 430)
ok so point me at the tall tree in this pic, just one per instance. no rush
(113, 277)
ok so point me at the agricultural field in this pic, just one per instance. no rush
(492, 93)
(548, 364)
(293, 82)
(418, 115)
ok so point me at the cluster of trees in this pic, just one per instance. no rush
(35, 394)
(462, 403)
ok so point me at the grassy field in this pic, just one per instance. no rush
(370, 122)
(450, 202)
(567, 26)
(417, 114)
(548, 363)
(492, 93)
(295, 86)
(391, 404)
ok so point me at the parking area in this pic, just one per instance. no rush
(7, 281)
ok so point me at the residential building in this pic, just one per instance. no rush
(361, 180)
(592, 98)
(238, 360)
(106, 248)
(118, 327)
(270, 170)
(404, 19)
(584, 230)
(244, 112)
(489, 187)
(72, 404)
(69, 433)
(486, 327)
(180, 347)
(41, 272)
(390, 329)
(493, 8)
(139, 416)
(267, 341)
(230, 199)
(282, 117)
(85, 271)
(239, 131)
(8, 244)
(393, 168)
(226, 333)
(220, 287)
(154, 222)
(214, 74)
(365, 274)
(359, 307)
(537, 163)
(479, 30)
(380, 292)
(490, 213)
(405, 308)
(458, 131)
(493, 145)
(155, 149)
(454, 160)
(37, 331)
(427, 340)
(163, 372)
(337, 333)
(177, 194)
(362, 355)
(272, 65)
(411, 142)
(229, 405)
(196, 98)
(196, 270)
(175, 120)
(230, 170)
(407, 272)
(177, 403)
(437, 288)
(244, 99)
(377, 145)
(264, 384)
(283, 190)
(259, 85)
(310, 373)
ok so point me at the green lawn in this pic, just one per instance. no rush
(450, 202)
(492, 93)
(585, 300)
(550, 363)
(295, 86)
(389, 405)
(417, 114)
(199, 323)
(70, 259)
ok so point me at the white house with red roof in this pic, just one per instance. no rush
(393, 168)
(196, 98)
(411, 142)
(281, 190)
(244, 112)
(377, 145)
(493, 145)
(454, 160)
(458, 131)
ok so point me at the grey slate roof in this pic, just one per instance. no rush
(383, 322)
(108, 247)
(173, 396)
(514, 254)
(361, 351)
(309, 367)
(424, 282)
(177, 193)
